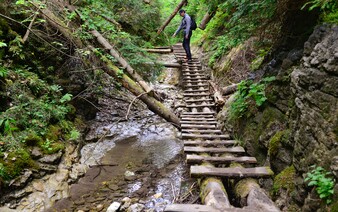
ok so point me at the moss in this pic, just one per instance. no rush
(54, 132)
(274, 143)
(203, 185)
(285, 180)
(49, 147)
(334, 207)
(15, 162)
(32, 139)
(243, 187)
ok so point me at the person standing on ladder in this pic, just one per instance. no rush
(187, 33)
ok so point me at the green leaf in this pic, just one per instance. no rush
(2, 44)
(66, 98)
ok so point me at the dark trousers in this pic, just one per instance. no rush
(186, 45)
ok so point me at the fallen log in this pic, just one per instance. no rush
(252, 196)
(217, 94)
(179, 6)
(229, 89)
(206, 19)
(153, 105)
(124, 63)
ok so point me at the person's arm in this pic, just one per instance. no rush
(178, 29)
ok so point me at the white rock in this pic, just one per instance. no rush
(114, 207)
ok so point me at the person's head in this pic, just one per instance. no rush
(182, 12)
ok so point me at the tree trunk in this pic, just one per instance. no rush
(124, 63)
(154, 105)
(207, 17)
(217, 95)
(179, 6)
(229, 89)
(59, 25)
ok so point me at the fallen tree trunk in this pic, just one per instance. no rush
(124, 63)
(54, 21)
(217, 94)
(179, 6)
(153, 105)
(206, 19)
(229, 89)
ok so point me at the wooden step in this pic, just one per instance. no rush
(195, 78)
(201, 131)
(190, 208)
(203, 208)
(195, 94)
(192, 75)
(203, 136)
(209, 143)
(199, 106)
(198, 159)
(195, 82)
(199, 122)
(198, 113)
(198, 126)
(197, 119)
(199, 100)
(237, 172)
(194, 86)
(196, 90)
(237, 149)
(197, 116)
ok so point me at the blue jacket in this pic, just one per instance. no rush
(185, 24)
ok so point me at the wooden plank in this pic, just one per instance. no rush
(194, 86)
(198, 100)
(209, 143)
(190, 208)
(194, 81)
(196, 149)
(195, 78)
(197, 159)
(201, 131)
(196, 90)
(237, 172)
(198, 122)
(198, 106)
(203, 136)
(196, 94)
(197, 119)
(198, 126)
(198, 113)
(193, 74)
(204, 208)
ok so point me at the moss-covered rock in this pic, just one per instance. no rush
(285, 180)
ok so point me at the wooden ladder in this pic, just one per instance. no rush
(204, 141)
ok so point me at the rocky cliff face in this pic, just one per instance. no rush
(298, 127)
(315, 88)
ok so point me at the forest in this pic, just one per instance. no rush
(59, 60)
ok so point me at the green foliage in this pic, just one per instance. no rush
(324, 185)
(236, 21)
(2, 44)
(329, 9)
(249, 96)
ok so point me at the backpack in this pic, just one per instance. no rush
(193, 24)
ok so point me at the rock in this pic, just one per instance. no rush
(22, 180)
(129, 176)
(38, 185)
(114, 207)
(136, 208)
(126, 204)
(36, 153)
(51, 159)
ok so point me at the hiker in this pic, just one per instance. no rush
(187, 32)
